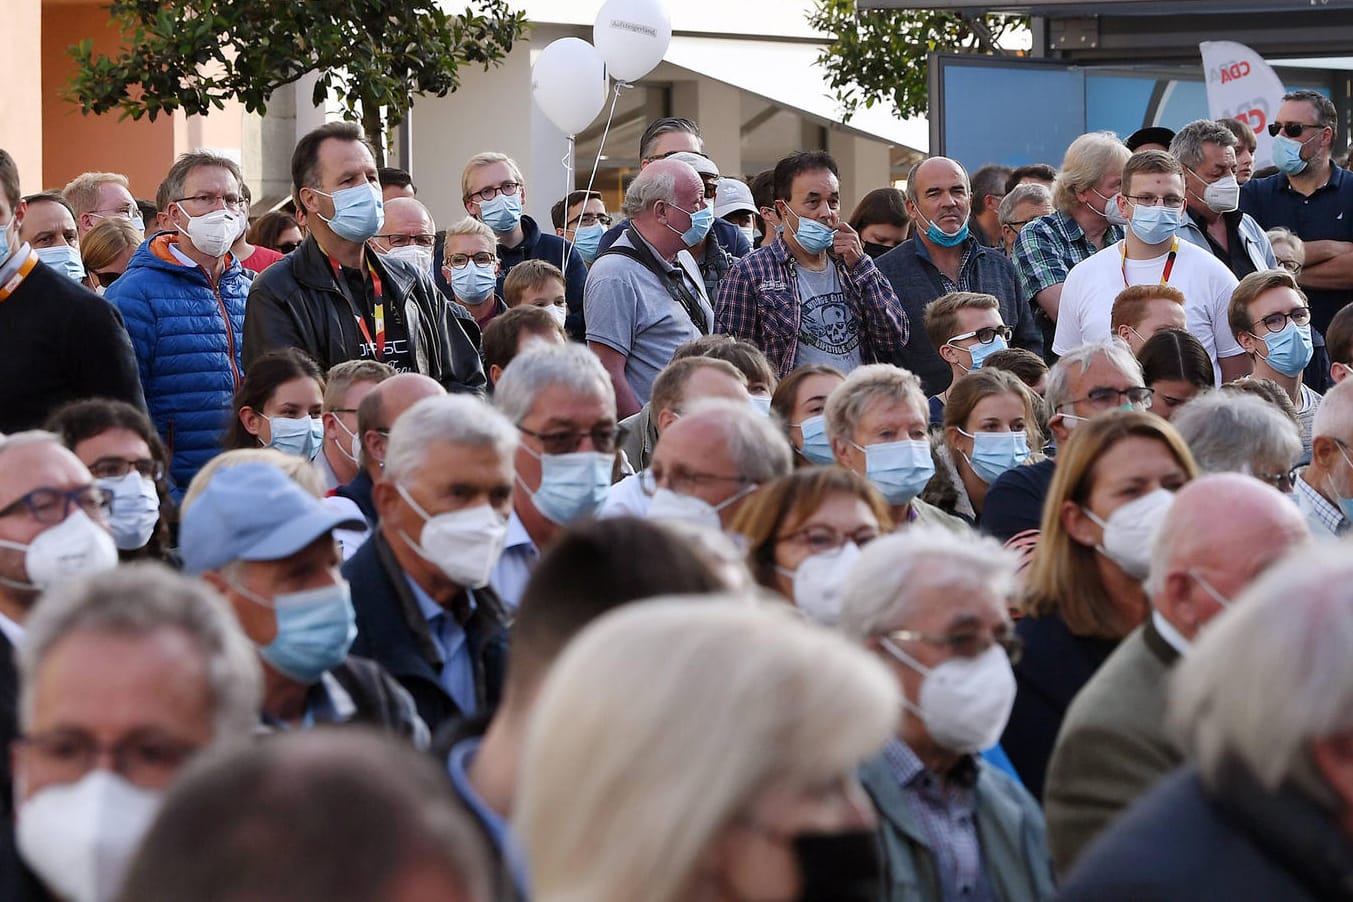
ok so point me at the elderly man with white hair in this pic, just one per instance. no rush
(420, 584)
(877, 422)
(1221, 533)
(1234, 432)
(710, 460)
(932, 604)
(1263, 706)
(640, 304)
(126, 676)
(561, 401)
(1324, 489)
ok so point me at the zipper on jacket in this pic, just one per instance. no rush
(229, 329)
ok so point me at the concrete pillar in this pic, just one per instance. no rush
(864, 165)
(21, 105)
(717, 108)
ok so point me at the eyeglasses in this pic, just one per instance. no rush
(985, 334)
(711, 185)
(672, 153)
(965, 643)
(146, 759)
(1291, 266)
(1173, 201)
(590, 219)
(821, 539)
(407, 240)
(1137, 396)
(1018, 224)
(106, 278)
(1283, 482)
(51, 506)
(131, 211)
(603, 439)
(1290, 129)
(682, 481)
(212, 201)
(492, 191)
(287, 247)
(460, 261)
(117, 467)
(1276, 322)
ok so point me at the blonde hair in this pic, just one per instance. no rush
(107, 241)
(847, 402)
(301, 471)
(702, 705)
(1089, 158)
(82, 192)
(488, 158)
(471, 226)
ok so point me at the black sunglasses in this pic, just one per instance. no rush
(1291, 129)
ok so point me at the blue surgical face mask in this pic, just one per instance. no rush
(587, 240)
(702, 221)
(64, 259)
(1154, 225)
(817, 449)
(302, 436)
(813, 236)
(761, 404)
(474, 284)
(359, 211)
(1287, 155)
(572, 486)
(315, 629)
(944, 239)
(1345, 504)
(501, 213)
(995, 452)
(1290, 349)
(5, 248)
(982, 350)
(900, 470)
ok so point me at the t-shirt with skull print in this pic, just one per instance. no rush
(828, 329)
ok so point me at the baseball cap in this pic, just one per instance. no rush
(1152, 134)
(731, 197)
(253, 512)
(697, 161)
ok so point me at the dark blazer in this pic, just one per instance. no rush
(1054, 667)
(360, 492)
(1237, 843)
(392, 632)
(9, 723)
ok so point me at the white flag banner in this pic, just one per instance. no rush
(1241, 85)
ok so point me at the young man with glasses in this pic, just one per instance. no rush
(494, 192)
(581, 218)
(189, 358)
(1152, 253)
(964, 328)
(1272, 321)
(95, 196)
(1312, 197)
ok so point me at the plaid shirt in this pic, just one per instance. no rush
(1319, 512)
(1049, 246)
(759, 302)
(947, 812)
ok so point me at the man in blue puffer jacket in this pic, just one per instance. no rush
(182, 298)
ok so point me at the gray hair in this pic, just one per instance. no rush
(1088, 160)
(454, 419)
(1273, 673)
(896, 572)
(1022, 194)
(1187, 146)
(186, 163)
(846, 403)
(571, 366)
(137, 600)
(758, 448)
(1334, 416)
(17, 440)
(1281, 233)
(1073, 365)
(1229, 432)
(649, 187)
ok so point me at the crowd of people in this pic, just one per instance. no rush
(983, 543)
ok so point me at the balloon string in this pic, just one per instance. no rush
(568, 189)
(596, 164)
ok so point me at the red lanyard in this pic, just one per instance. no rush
(17, 279)
(378, 309)
(1169, 262)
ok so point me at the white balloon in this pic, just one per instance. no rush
(632, 36)
(568, 82)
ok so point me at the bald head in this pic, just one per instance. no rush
(660, 202)
(382, 406)
(404, 216)
(1222, 531)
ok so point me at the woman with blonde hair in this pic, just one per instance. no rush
(685, 750)
(1114, 483)
(990, 426)
(803, 533)
(106, 249)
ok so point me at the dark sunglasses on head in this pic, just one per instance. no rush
(1291, 129)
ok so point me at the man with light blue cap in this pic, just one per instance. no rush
(267, 545)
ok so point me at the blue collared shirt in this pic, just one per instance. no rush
(499, 830)
(457, 676)
(514, 567)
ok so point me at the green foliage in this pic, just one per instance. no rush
(193, 55)
(880, 55)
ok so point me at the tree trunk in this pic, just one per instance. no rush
(373, 126)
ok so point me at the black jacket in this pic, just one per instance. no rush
(60, 342)
(1237, 842)
(392, 632)
(296, 303)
